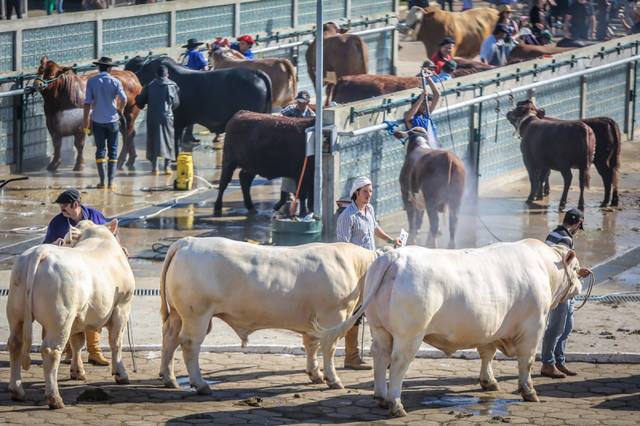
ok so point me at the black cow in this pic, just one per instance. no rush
(269, 146)
(209, 98)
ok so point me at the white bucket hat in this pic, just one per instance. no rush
(359, 182)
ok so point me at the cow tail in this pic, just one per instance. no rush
(591, 148)
(374, 277)
(27, 325)
(293, 76)
(164, 306)
(267, 82)
(450, 170)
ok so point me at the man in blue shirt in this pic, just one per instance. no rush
(197, 62)
(72, 212)
(243, 45)
(560, 320)
(446, 72)
(419, 115)
(103, 90)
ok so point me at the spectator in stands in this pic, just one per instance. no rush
(496, 48)
(443, 54)
(579, 20)
(442, 4)
(243, 45)
(467, 4)
(13, 5)
(505, 17)
(635, 28)
(537, 17)
(446, 72)
(603, 9)
(557, 12)
(419, 3)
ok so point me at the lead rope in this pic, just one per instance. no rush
(592, 282)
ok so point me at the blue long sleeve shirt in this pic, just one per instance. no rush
(60, 225)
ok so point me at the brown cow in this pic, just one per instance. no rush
(607, 155)
(63, 93)
(524, 52)
(268, 145)
(468, 29)
(553, 145)
(353, 88)
(280, 70)
(344, 54)
(430, 179)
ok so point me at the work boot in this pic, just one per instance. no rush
(93, 347)
(550, 370)
(563, 367)
(352, 358)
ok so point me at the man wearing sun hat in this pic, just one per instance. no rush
(357, 224)
(195, 58)
(243, 45)
(100, 103)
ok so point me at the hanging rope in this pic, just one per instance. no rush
(592, 282)
(446, 103)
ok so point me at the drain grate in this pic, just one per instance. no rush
(138, 292)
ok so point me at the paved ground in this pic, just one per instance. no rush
(272, 390)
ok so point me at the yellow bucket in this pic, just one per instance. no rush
(184, 178)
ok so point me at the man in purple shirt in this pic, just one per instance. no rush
(101, 101)
(72, 212)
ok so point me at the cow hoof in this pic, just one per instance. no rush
(170, 382)
(53, 166)
(335, 385)
(76, 375)
(316, 380)
(204, 390)
(17, 395)
(397, 411)
(489, 386)
(382, 403)
(530, 397)
(121, 380)
(252, 211)
(55, 402)
(78, 167)
(581, 207)
(217, 212)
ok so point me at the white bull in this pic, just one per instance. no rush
(67, 290)
(252, 287)
(495, 297)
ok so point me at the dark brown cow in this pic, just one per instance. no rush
(553, 145)
(269, 146)
(524, 52)
(353, 88)
(63, 93)
(607, 155)
(430, 179)
(344, 54)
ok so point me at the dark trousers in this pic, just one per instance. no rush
(442, 2)
(106, 137)
(12, 5)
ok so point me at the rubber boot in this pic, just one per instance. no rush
(100, 166)
(352, 358)
(93, 347)
(111, 172)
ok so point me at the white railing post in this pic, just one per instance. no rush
(317, 182)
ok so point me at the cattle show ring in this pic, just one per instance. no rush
(320, 212)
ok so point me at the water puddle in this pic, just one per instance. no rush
(183, 382)
(469, 404)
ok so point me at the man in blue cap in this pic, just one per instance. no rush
(560, 320)
(72, 212)
(496, 48)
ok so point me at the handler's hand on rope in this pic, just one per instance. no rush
(584, 272)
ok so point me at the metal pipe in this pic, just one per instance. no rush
(495, 95)
(17, 92)
(317, 181)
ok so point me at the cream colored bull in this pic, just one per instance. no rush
(87, 285)
(252, 287)
(495, 297)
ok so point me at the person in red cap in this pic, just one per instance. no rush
(243, 45)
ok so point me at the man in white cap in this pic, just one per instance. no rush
(357, 224)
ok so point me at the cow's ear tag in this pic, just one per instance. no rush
(112, 226)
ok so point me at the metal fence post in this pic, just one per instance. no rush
(474, 152)
(583, 96)
(99, 38)
(294, 13)
(173, 38)
(633, 100)
(236, 19)
(18, 126)
(17, 52)
(627, 99)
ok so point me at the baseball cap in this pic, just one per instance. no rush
(68, 196)
(447, 40)
(247, 38)
(573, 216)
(428, 63)
(303, 96)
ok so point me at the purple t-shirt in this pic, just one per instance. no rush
(59, 225)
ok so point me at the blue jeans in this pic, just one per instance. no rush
(106, 137)
(559, 326)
